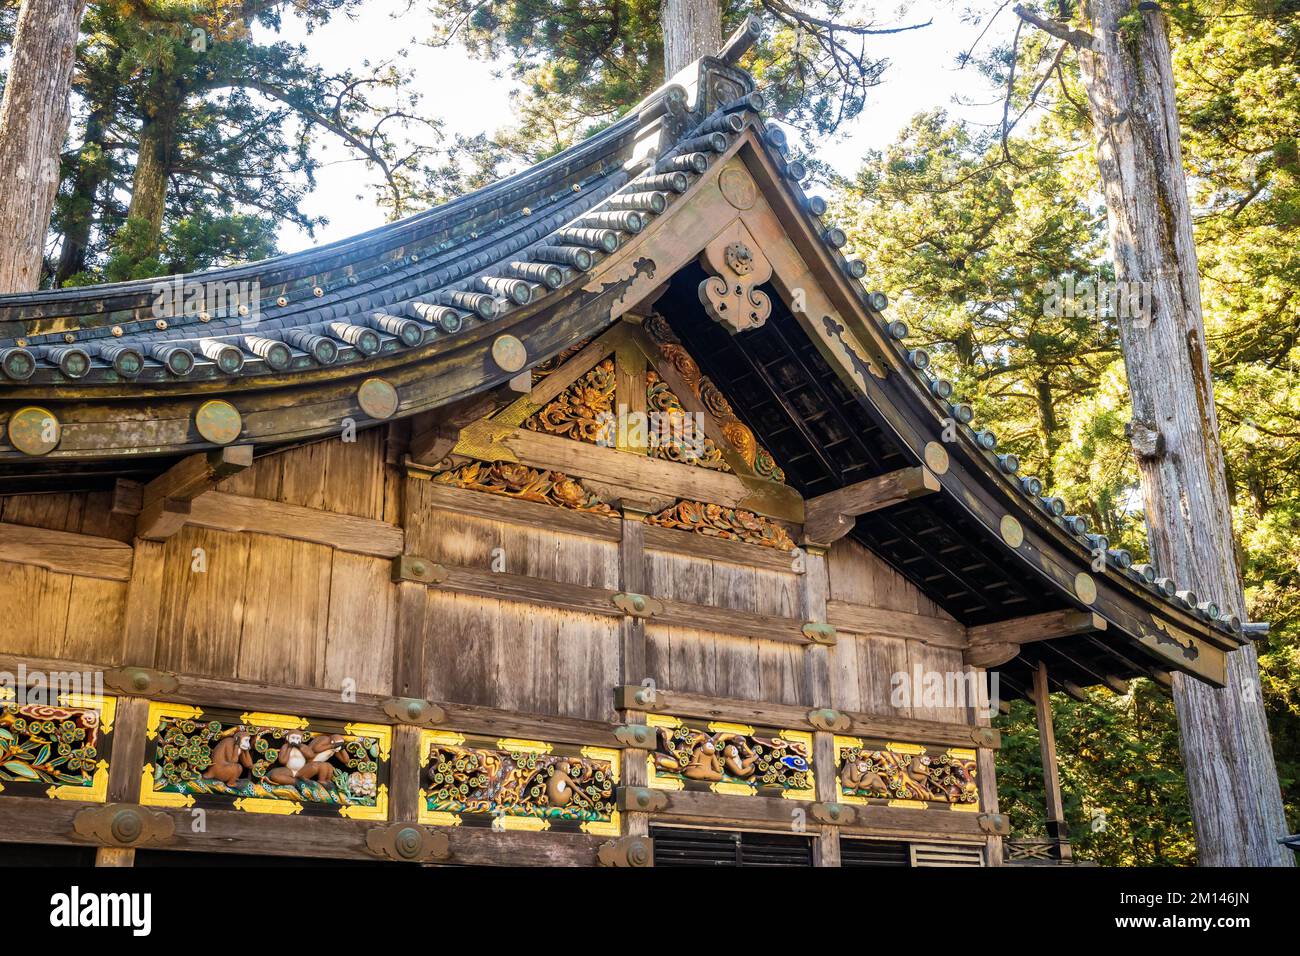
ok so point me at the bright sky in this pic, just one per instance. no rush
(470, 98)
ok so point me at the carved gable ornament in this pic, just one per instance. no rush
(736, 266)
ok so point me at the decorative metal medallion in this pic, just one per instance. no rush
(517, 784)
(57, 750)
(739, 259)
(1012, 533)
(377, 398)
(737, 187)
(509, 353)
(1085, 588)
(905, 775)
(34, 430)
(218, 422)
(730, 758)
(265, 763)
(936, 458)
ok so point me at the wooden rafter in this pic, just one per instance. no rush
(831, 516)
(166, 501)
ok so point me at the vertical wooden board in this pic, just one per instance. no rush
(587, 665)
(96, 610)
(450, 538)
(37, 613)
(362, 619)
(286, 611)
(202, 613)
(263, 479)
(529, 551)
(658, 655)
(143, 611)
(777, 593)
(336, 475)
(524, 658)
(737, 665)
(461, 653)
(859, 576)
(783, 674)
(692, 655)
(879, 659)
(58, 512)
(845, 672)
(945, 662)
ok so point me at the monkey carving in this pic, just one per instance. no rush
(739, 765)
(319, 751)
(859, 775)
(562, 789)
(230, 758)
(291, 759)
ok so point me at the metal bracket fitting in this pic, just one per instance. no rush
(410, 567)
(408, 843)
(823, 634)
(637, 605)
(636, 736)
(641, 800)
(829, 720)
(626, 851)
(413, 711)
(140, 681)
(124, 825)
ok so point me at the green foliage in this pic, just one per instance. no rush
(962, 230)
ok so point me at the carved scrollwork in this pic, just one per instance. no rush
(905, 773)
(737, 267)
(584, 411)
(526, 484)
(718, 521)
(730, 758)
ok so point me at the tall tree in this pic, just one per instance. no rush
(1126, 69)
(33, 121)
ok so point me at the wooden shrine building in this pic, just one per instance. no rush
(601, 515)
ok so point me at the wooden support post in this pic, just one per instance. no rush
(129, 730)
(632, 652)
(1056, 828)
(987, 781)
(408, 640)
(404, 775)
(817, 665)
(166, 501)
(831, 516)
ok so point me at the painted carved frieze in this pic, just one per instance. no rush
(517, 784)
(730, 758)
(265, 763)
(527, 484)
(57, 750)
(678, 436)
(719, 521)
(905, 775)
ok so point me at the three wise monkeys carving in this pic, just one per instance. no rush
(298, 759)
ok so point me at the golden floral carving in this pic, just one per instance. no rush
(711, 397)
(677, 438)
(584, 410)
(718, 521)
(525, 484)
(543, 369)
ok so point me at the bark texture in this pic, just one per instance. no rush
(33, 122)
(692, 29)
(1236, 803)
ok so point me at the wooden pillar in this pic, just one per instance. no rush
(632, 651)
(404, 775)
(817, 664)
(1056, 828)
(129, 729)
(986, 778)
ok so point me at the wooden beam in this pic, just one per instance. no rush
(226, 512)
(878, 622)
(65, 553)
(434, 434)
(1037, 627)
(831, 516)
(166, 501)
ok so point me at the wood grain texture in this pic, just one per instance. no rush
(65, 552)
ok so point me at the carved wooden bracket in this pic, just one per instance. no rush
(637, 605)
(737, 266)
(833, 814)
(634, 697)
(830, 720)
(824, 634)
(990, 655)
(124, 825)
(409, 567)
(408, 843)
(642, 800)
(626, 851)
(413, 711)
(140, 681)
(636, 736)
(994, 824)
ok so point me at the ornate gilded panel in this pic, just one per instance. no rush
(677, 437)
(56, 750)
(584, 411)
(265, 763)
(517, 784)
(730, 758)
(526, 484)
(719, 521)
(905, 775)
